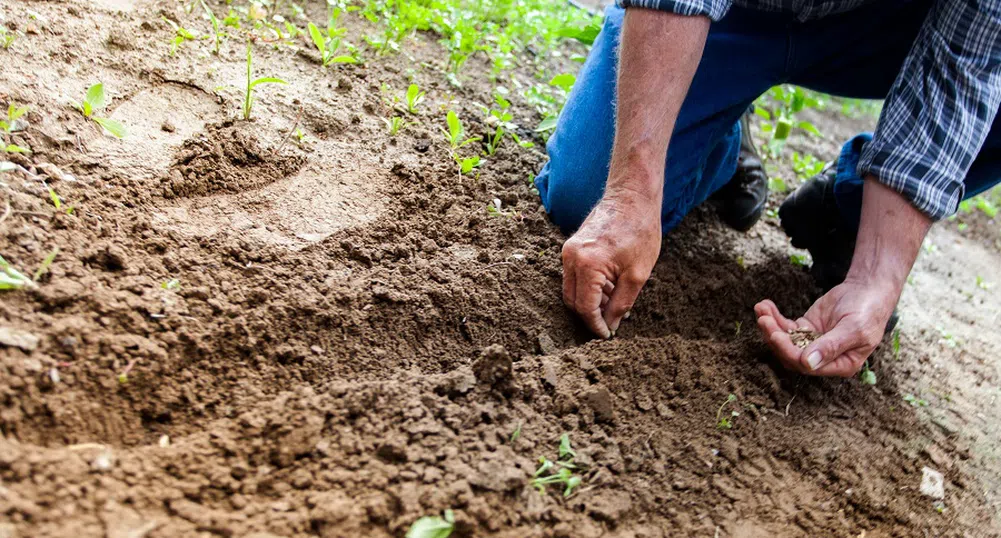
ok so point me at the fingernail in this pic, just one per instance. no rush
(612, 333)
(814, 360)
(627, 314)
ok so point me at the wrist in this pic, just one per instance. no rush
(634, 181)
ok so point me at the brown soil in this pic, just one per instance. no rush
(354, 339)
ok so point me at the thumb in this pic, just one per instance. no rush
(627, 289)
(831, 345)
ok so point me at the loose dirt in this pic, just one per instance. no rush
(353, 340)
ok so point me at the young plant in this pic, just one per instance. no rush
(801, 260)
(181, 34)
(328, 42)
(563, 466)
(7, 37)
(915, 401)
(414, 97)
(94, 102)
(455, 132)
(433, 526)
(217, 33)
(867, 376)
(466, 164)
(725, 422)
(46, 262)
(9, 126)
(12, 279)
(896, 343)
(395, 125)
(248, 98)
(56, 201)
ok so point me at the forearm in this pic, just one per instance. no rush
(658, 55)
(890, 235)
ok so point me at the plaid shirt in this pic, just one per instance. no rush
(940, 108)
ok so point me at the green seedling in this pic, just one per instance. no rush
(516, 434)
(466, 164)
(329, 41)
(455, 133)
(564, 82)
(414, 97)
(801, 260)
(547, 124)
(94, 102)
(867, 376)
(566, 451)
(7, 37)
(395, 125)
(947, 338)
(896, 343)
(46, 262)
(9, 125)
(433, 526)
(181, 34)
(806, 166)
(248, 99)
(12, 279)
(982, 284)
(777, 184)
(13, 113)
(494, 209)
(217, 32)
(58, 202)
(171, 284)
(493, 142)
(736, 326)
(915, 401)
(563, 468)
(725, 422)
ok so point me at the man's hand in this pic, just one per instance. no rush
(852, 316)
(607, 261)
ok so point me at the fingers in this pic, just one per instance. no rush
(830, 354)
(569, 279)
(623, 297)
(587, 300)
(768, 308)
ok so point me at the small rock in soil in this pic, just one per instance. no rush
(803, 337)
(546, 345)
(549, 375)
(932, 483)
(600, 401)
(12, 337)
(493, 367)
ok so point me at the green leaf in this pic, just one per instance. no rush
(762, 113)
(454, 127)
(585, 35)
(14, 148)
(13, 113)
(267, 80)
(808, 127)
(782, 129)
(777, 184)
(433, 526)
(44, 267)
(547, 124)
(87, 109)
(112, 127)
(95, 98)
(343, 60)
(55, 199)
(564, 81)
(317, 37)
(565, 448)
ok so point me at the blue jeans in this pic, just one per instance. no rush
(857, 54)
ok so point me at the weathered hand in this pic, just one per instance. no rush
(851, 319)
(609, 259)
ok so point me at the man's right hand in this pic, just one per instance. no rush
(609, 259)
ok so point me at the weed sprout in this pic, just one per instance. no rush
(93, 102)
(248, 99)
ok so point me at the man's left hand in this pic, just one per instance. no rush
(850, 318)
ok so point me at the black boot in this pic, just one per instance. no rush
(741, 202)
(811, 219)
